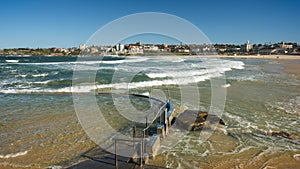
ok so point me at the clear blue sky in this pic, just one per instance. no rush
(67, 23)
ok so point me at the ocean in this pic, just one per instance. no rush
(39, 126)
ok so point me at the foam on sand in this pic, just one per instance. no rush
(12, 155)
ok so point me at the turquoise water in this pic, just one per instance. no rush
(39, 126)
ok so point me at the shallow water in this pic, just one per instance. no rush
(263, 100)
(40, 128)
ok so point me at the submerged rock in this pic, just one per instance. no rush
(280, 134)
(193, 120)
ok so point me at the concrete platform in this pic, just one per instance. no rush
(108, 162)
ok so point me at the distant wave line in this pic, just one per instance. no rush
(12, 61)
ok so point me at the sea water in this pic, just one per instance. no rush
(39, 127)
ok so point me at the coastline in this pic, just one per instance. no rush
(279, 57)
(291, 67)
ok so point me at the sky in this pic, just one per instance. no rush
(69, 23)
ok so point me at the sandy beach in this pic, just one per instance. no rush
(290, 63)
(291, 67)
(279, 57)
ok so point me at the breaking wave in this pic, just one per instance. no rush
(56, 77)
(12, 61)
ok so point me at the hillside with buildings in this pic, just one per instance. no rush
(138, 48)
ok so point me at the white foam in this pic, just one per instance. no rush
(226, 85)
(296, 156)
(12, 61)
(38, 90)
(126, 85)
(12, 155)
(131, 60)
(206, 153)
(132, 85)
(292, 106)
(42, 82)
(178, 60)
(243, 124)
(175, 74)
(157, 75)
(178, 73)
(41, 75)
(20, 75)
(239, 150)
(202, 68)
(55, 167)
(145, 94)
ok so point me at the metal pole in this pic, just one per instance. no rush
(166, 121)
(134, 131)
(116, 155)
(141, 155)
(142, 149)
(146, 121)
(134, 135)
(160, 118)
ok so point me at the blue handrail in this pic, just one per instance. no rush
(170, 108)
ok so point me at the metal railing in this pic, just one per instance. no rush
(144, 130)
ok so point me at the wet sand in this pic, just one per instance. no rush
(279, 57)
(291, 67)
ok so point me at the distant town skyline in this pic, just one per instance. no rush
(63, 23)
(141, 49)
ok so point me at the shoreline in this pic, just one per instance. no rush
(275, 57)
(279, 57)
(291, 67)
